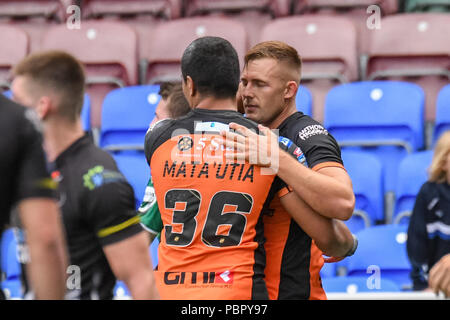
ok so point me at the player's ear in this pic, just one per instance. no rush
(190, 85)
(291, 90)
(44, 106)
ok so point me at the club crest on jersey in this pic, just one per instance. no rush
(185, 143)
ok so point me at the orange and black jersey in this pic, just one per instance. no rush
(212, 241)
(98, 209)
(293, 260)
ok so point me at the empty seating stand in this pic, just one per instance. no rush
(327, 46)
(415, 48)
(14, 48)
(366, 173)
(358, 11)
(442, 122)
(171, 39)
(142, 15)
(412, 174)
(253, 14)
(109, 63)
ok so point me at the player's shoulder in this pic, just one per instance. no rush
(304, 126)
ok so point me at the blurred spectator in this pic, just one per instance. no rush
(440, 276)
(429, 227)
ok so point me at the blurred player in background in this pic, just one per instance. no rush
(105, 240)
(429, 225)
(25, 183)
(267, 92)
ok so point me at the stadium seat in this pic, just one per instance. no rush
(303, 100)
(427, 5)
(415, 48)
(34, 16)
(442, 122)
(9, 262)
(384, 118)
(382, 253)
(134, 167)
(253, 14)
(358, 11)
(170, 39)
(86, 113)
(355, 284)
(15, 50)
(142, 15)
(126, 116)
(49, 9)
(412, 174)
(366, 173)
(327, 46)
(109, 63)
(168, 9)
(154, 252)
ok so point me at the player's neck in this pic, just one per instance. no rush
(288, 111)
(59, 135)
(212, 103)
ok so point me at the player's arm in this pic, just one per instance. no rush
(328, 190)
(331, 236)
(112, 214)
(129, 260)
(45, 239)
(40, 217)
(149, 212)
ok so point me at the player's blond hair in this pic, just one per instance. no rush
(277, 50)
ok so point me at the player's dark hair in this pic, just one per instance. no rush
(58, 71)
(213, 65)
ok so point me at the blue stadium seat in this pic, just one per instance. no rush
(385, 118)
(154, 252)
(121, 291)
(328, 270)
(412, 174)
(442, 112)
(304, 100)
(86, 113)
(382, 252)
(9, 263)
(134, 167)
(126, 115)
(366, 173)
(358, 284)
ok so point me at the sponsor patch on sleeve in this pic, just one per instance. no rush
(312, 130)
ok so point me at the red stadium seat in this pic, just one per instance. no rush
(170, 39)
(16, 48)
(415, 48)
(327, 46)
(169, 9)
(253, 14)
(33, 16)
(142, 15)
(356, 10)
(107, 49)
